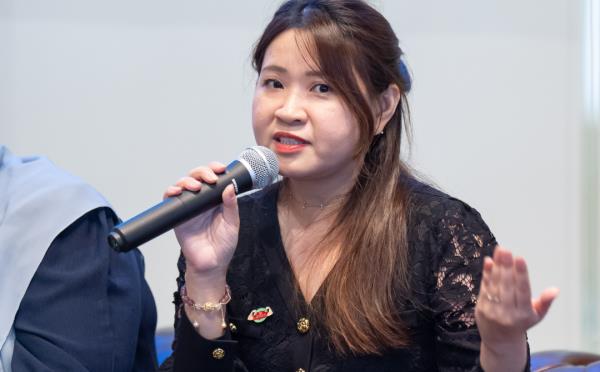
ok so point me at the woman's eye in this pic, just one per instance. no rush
(272, 83)
(322, 88)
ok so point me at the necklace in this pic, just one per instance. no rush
(322, 205)
(326, 203)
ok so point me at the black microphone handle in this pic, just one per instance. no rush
(176, 210)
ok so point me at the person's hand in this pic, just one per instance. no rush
(208, 240)
(505, 309)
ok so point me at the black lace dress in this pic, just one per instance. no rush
(448, 240)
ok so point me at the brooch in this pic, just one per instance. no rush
(259, 315)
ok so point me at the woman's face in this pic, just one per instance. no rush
(299, 116)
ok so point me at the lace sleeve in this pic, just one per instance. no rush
(463, 241)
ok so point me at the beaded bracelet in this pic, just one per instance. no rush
(207, 306)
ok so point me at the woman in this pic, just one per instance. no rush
(349, 263)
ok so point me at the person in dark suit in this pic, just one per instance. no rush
(67, 301)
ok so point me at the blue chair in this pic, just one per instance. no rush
(564, 361)
(163, 341)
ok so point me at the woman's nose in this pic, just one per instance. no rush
(292, 109)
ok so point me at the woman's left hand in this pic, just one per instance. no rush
(505, 311)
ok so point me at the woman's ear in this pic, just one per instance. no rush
(387, 102)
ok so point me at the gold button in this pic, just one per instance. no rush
(303, 325)
(218, 353)
(300, 370)
(232, 327)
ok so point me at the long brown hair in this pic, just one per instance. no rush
(359, 298)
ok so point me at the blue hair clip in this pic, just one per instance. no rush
(405, 75)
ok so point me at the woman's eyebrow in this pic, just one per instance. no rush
(283, 70)
(274, 68)
(314, 73)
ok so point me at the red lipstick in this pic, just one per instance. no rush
(287, 143)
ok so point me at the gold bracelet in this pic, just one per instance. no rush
(207, 306)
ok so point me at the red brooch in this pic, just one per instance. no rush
(259, 315)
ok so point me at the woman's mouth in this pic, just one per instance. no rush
(287, 143)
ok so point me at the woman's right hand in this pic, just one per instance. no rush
(208, 241)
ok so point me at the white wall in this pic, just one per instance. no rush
(130, 95)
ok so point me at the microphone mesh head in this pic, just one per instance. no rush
(263, 163)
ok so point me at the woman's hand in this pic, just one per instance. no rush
(208, 240)
(505, 311)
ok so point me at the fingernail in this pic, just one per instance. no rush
(173, 190)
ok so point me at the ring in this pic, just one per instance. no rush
(494, 299)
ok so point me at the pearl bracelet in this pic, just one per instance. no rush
(207, 306)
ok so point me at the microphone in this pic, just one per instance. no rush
(255, 168)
